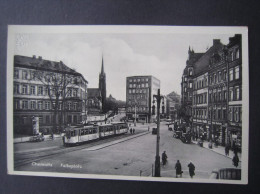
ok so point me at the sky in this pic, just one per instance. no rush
(161, 55)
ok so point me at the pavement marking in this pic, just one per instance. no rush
(38, 149)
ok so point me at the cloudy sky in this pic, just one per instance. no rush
(161, 55)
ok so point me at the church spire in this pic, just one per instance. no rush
(102, 67)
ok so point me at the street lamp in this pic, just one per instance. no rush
(158, 99)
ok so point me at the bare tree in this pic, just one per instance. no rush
(58, 85)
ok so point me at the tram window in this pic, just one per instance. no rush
(94, 130)
(90, 131)
(82, 132)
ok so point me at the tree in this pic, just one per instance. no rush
(58, 85)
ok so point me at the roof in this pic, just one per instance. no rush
(93, 92)
(203, 62)
(41, 64)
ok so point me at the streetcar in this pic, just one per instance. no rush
(80, 134)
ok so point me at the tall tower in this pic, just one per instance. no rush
(102, 86)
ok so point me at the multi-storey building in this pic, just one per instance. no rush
(234, 66)
(139, 97)
(216, 91)
(187, 82)
(172, 105)
(49, 90)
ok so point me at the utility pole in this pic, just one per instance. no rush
(158, 99)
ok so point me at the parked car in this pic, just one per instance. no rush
(154, 131)
(177, 134)
(37, 138)
(226, 174)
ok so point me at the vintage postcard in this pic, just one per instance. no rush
(149, 103)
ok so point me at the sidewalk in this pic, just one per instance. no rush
(219, 149)
(22, 139)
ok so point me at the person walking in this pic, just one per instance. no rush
(227, 150)
(131, 130)
(178, 169)
(235, 160)
(164, 158)
(148, 128)
(191, 169)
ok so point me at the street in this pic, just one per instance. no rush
(131, 155)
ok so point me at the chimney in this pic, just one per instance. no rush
(34, 56)
(40, 57)
(216, 41)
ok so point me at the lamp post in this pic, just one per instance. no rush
(158, 99)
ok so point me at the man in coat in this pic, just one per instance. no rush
(191, 169)
(164, 158)
(178, 169)
(235, 160)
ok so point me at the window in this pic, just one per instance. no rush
(25, 75)
(69, 105)
(46, 90)
(69, 92)
(219, 76)
(133, 91)
(75, 93)
(130, 80)
(40, 90)
(146, 79)
(33, 105)
(40, 120)
(230, 114)
(130, 85)
(225, 95)
(237, 93)
(75, 105)
(32, 90)
(16, 74)
(190, 85)
(231, 75)
(236, 114)
(142, 85)
(75, 120)
(190, 71)
(47, 105)
(25, 104)
(240, 114)
(138, 80)
(225, 75)
(24, 90)
(236, 72)
(237, 53)
(224, 114)
(130, 91)
(215, 78)
(219, 114)
(40, 105)
(231, 94)
(16, 89)
(146, 85)
(134, 80)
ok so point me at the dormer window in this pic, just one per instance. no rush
(190, 71)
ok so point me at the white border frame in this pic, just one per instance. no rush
(13, 29)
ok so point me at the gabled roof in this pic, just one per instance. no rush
(203, 63)
(41, 64)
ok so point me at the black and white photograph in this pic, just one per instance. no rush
(149, 103)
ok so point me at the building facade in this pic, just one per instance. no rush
(172, 105)
(139, 97)
(94, 101)
(216, 92)
(49, 90)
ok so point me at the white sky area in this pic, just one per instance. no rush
(161, 55)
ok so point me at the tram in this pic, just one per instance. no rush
(81, 134)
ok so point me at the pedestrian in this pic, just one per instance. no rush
(148, 128)
(235, 160)
(131, 130)
(191, 169)
(178, 169)
(227, 150)
(164, 158)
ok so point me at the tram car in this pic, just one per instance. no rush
(80, 134)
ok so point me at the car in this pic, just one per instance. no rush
(226, 174)
(37, 138)
(154, 131)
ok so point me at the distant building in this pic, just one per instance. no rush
(94, 101)
(97, 96)
(34, 98)
(172, 105)
(139, 97)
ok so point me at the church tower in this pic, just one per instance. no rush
(102, 86)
